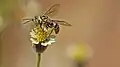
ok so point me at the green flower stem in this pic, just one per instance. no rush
(38, 59)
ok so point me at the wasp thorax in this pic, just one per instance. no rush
(45, 18)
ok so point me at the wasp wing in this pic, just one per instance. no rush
(62, 22)
(53, 9)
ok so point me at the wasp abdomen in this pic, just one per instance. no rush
(56, 29)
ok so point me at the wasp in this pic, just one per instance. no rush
(46, 24)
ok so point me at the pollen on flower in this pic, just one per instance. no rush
(39, 36)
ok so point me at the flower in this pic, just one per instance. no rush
(39, 36)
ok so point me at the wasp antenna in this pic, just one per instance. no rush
(26, 19)
(26, 22)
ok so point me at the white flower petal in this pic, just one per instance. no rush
(51, 41)
(34, 41)
(32, 34)
(44, 44)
